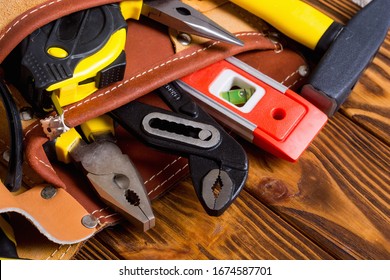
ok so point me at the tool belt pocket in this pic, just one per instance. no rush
(57, 198)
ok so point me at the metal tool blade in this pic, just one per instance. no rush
(116, 180)
(184, 18)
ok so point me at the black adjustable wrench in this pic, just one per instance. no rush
(218, 164)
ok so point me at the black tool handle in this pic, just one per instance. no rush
(348, 56)
(131, 116)
(13, 180)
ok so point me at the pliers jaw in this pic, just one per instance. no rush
(184, 18)
(132, 203)
(117, 181)
(111, 173)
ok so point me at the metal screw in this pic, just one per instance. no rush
(26, 113)
(303, 70)
(48, 192)
(184, 39)
(6, 155)
(89, 221)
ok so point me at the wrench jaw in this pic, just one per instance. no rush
(217, 191)
(216, 187)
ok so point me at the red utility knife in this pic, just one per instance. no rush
(270, 115)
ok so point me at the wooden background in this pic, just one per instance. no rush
(333, 203)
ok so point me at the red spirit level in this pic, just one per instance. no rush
(256, 107)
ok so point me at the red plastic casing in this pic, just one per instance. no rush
(281, 122)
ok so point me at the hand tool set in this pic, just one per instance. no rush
(72, 57)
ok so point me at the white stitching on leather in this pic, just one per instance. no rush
(99, 210)
(66, 252)
(31, 129)
(136, 77)
(105, 217)
(44, 163)
(291, 75)
(27, 15)
(55, 251)
(162, 170)
(173, 175)
(155, 68)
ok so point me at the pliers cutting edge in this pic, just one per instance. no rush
(218, 164)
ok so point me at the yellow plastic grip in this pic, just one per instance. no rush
(64, 144)
(131, 9)
(72, 90)
(103, 124)
(294, 18)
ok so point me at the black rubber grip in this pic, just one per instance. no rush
(347, 57)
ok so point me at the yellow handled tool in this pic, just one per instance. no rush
(296, 19)
(346, 50)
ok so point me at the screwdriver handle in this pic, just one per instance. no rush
(294, 18)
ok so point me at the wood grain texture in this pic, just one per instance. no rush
(368, 105)
(338, 192)
(333, 203)
(184, 231)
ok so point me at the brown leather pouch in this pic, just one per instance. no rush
(154, 57)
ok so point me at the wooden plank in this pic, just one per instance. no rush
(248, 230)
(338, 193)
